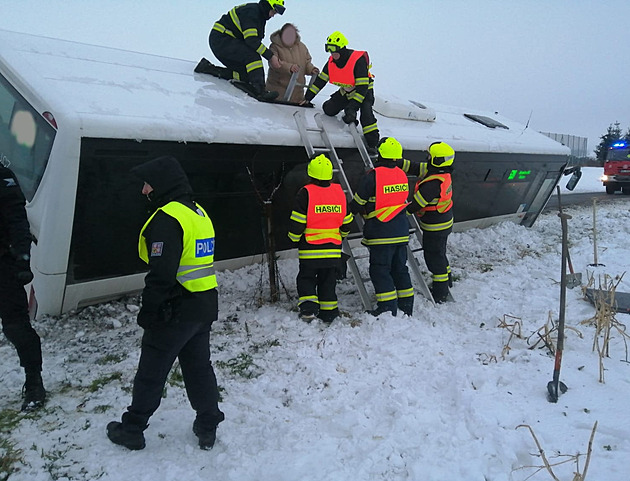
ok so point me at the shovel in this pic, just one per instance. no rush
(573, 279)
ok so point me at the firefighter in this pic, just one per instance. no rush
(318, 223)
(350, 71)
(432, 203)
(381, 198)
(15, 273)
(179, 305)
(236, 40)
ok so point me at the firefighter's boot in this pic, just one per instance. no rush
(440, 292)
(405, 304)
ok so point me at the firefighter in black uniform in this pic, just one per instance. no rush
(236, 40)
(381, 198)
(318, 223)
(432, 203)
(350, 71)
(179, 304)
(15, 273)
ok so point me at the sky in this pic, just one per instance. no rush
(558, 66)
(446, 394)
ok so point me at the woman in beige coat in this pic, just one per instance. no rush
(294, 57)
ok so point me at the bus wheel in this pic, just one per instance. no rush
(610, 188)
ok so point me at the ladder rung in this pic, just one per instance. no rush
(321, 149)
(354, 235)
(419, 249)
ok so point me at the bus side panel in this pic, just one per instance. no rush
(229, 181)
(232, 182)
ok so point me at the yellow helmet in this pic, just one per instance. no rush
(441, 154)
(320, 168)
(277, 5)
(335, 42)
(390, 148)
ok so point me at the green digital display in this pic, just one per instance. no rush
(519, 174)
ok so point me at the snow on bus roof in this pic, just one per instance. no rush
(117, 93)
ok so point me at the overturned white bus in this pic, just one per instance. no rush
(75, 118)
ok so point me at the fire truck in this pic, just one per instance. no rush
(617, 168)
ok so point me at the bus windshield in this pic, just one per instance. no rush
(618, 154)
(26, 139)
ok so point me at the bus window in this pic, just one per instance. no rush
(25, 139)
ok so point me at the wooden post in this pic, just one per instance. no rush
(271, 254)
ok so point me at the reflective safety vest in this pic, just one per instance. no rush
(325, 214)
(392, 190)
(344, 77)
(196, 265)
(444, 203)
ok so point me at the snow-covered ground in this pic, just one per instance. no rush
(438, 396)
(589, 182)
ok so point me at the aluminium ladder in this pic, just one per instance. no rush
(413, 221)
(293, 84)
(300, 120)
(345, 184)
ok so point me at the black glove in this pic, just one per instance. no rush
(23, 269)
(164, 315)
(146, 319)
(349, 116)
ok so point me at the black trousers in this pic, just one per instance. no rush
(189, 341)
(316, 285)
(434, 248)
(16, 324)
(337, 102)
(236, 56)
(389, 275)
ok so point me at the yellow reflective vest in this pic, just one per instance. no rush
(196, 265)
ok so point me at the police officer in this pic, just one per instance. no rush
(236, 40)
(381, 198)
(432, 203)
(179, 304)
(318, 223)
(350, 71)
(15, 273)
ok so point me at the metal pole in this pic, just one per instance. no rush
(595, 232)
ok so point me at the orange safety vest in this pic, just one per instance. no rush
(344, 77)
(325, 214)
(392, 190)
(444, 203)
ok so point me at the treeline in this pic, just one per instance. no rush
(614, 134)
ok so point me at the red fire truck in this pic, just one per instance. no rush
(617, 168)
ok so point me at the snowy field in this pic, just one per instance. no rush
(589, 182)
(438, 396)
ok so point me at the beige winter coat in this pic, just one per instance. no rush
(297, 54)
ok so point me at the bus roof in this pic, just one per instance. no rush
(113, 93)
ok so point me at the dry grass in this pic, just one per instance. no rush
(513, 325)
(577, 474)
(604, 320)
(547, 335)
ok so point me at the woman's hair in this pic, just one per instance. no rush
(287, 25)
